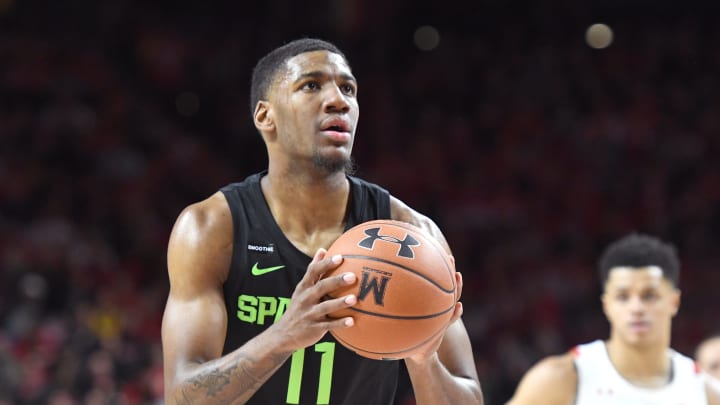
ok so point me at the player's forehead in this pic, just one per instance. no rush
(622, 277)
(317, 62)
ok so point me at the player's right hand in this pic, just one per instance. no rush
(306, 320)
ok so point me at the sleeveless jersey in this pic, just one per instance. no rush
(265, 268)
(600, 384)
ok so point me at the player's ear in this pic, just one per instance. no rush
(604, 300)
(263, 117)
(676, 301)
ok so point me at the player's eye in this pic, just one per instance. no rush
(348, 89)
(311, 86)
(650, 296)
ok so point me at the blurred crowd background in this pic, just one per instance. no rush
(530, 149)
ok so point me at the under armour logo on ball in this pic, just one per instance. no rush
(405, 249)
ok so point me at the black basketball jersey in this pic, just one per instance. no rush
(265, 268)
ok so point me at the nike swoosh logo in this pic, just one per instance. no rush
(258, 271)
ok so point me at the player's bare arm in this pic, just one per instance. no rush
(557, 372)
(195, 319)
(444, 373)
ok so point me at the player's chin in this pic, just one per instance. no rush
(639, 338)
(334, 162)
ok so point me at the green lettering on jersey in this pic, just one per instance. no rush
(257, 309)
(324, 379)
(266, 307)
(247, 308)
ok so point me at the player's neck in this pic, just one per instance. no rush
(302, 202)
(649, 366)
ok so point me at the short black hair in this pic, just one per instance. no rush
(640, 250)
(269, 65)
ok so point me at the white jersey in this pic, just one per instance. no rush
(600, 384)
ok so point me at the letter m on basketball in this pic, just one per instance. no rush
(374, 284)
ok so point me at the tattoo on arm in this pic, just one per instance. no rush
(214, 380)
(227, 384)
(253, 374)
(184, 399)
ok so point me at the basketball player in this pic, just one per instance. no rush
(245, 321)
(635, 365)
(707, 356)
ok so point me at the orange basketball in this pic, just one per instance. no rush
(405, 287)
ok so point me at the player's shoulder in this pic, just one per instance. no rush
(555, 368)
(400, 211)
(206, 216)
(554, 371)
(201, 240)
(200, 246)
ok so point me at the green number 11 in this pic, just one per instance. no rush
(325, 382)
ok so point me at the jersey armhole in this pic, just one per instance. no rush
(233, 200)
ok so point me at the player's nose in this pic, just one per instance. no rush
(636, 304)
(336, 100)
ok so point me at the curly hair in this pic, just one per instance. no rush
(639, 250)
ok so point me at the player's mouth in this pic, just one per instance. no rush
(639, 326)
(337, 129)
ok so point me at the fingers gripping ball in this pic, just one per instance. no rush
(406, 288)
